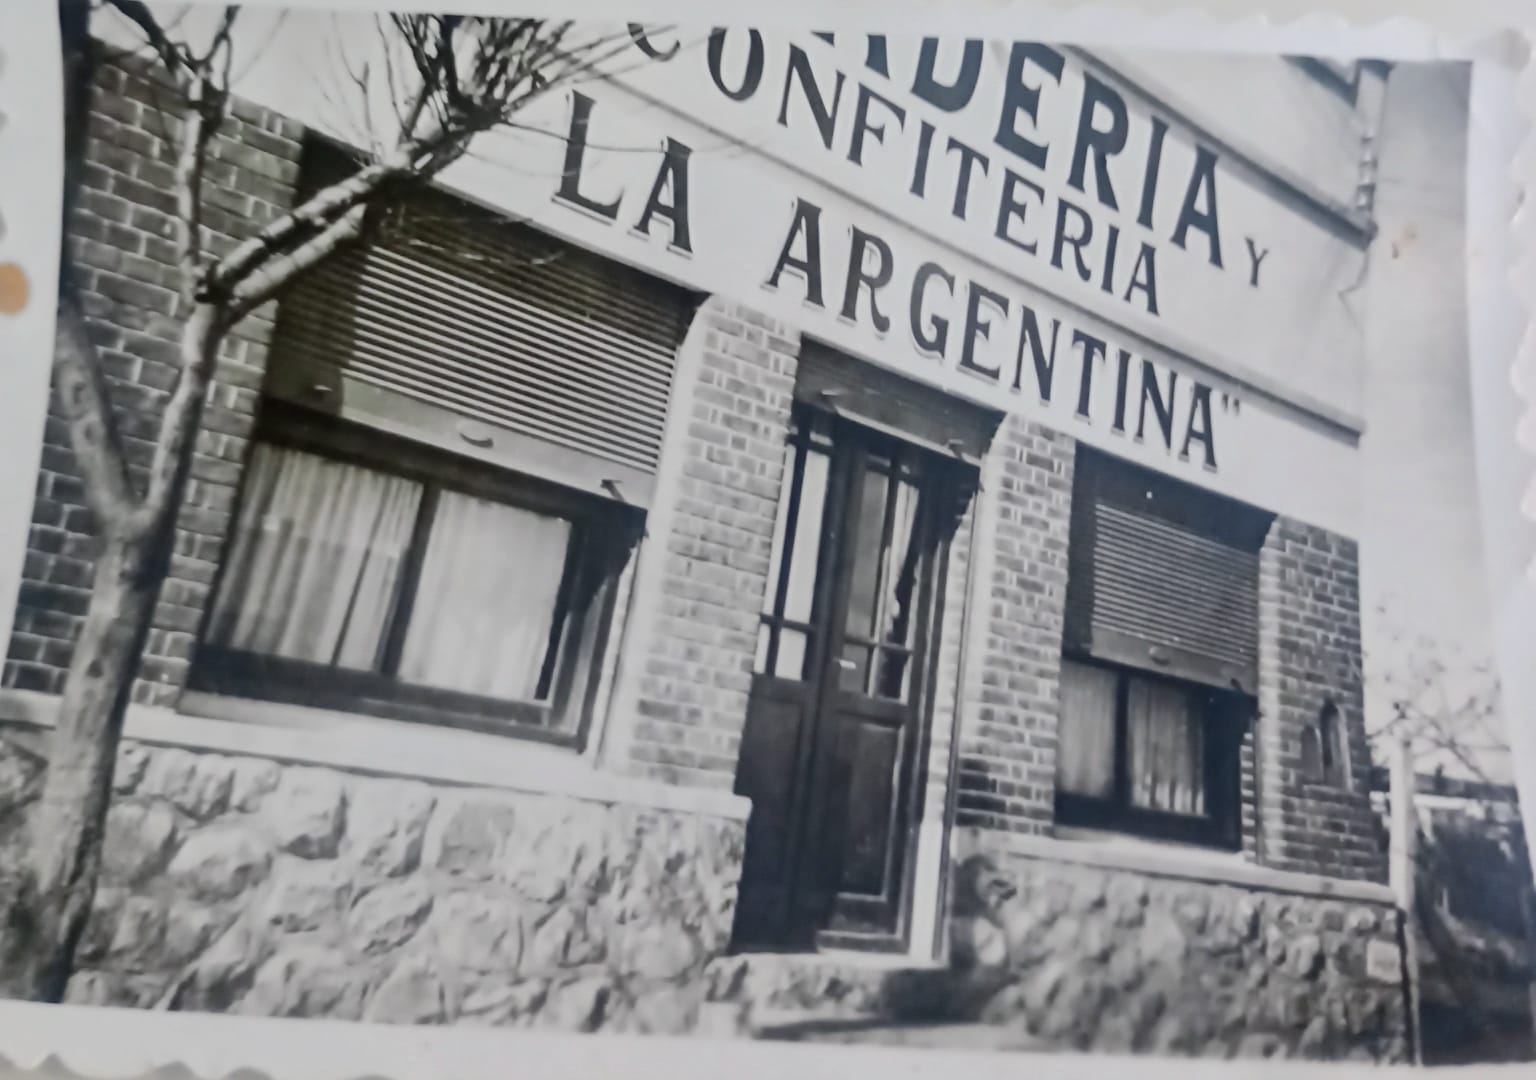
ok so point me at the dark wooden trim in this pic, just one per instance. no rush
(250, 675)
(399, 617)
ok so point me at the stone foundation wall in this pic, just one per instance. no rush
(244, 885)
(1117, 960)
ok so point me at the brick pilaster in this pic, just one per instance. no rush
(1008, 724)
(1309, 655)
(701, 638)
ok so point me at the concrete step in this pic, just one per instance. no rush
(935, 1035)
(779, 993)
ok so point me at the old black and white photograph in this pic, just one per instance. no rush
(888, 539)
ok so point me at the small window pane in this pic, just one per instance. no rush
(899, 600)
(486, 619)
(314, 560)
(791, 659)
(807, 551)
(764, 636)
(853, 670)
(864, 573)
(780, 532)
(1167, 748)
(891, 680)
(1085, 752)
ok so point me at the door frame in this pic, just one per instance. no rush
(816, 747)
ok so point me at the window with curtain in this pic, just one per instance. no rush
(455, 597)
(1160, 651)
(1145, 754)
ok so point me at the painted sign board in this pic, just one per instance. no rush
(1010, 223)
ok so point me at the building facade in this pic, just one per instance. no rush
(837, 496)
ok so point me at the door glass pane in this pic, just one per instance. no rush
(780, 534)
(891, 679)
(903, 558)
(864, 567)
(764, 635)
(1085, 748)
(486, 619)
(806, 556)
(314, 560)
(853, 668)
(1167, 748)
(791, 659)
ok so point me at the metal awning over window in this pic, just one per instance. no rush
(497, 334)
(1163, 576)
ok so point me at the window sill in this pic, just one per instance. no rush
(1112, 851)
(385, 747)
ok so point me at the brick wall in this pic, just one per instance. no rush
(1008, 725)
(122, 240)
(696, 670)
(1309, 654)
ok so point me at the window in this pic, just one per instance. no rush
(1145, 754)
(365, 574)
(1159, 655)
(1323, 749)
(784, 640)
(886, 503)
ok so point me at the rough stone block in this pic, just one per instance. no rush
(307, 894)
(388, 916)
(307, 812)
(413, 993)
(478, 930)
(308, 981)
(386, 825)
(139, 843)
(222, 862)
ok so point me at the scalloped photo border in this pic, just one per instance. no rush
(69, 1042)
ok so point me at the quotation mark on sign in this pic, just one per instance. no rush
(1231, 404)
(13, 279)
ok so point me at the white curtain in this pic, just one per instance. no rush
(314, 560)
(1085, 741)
(1167, 751)
(485, 605)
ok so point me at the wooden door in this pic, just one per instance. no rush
(836, 722)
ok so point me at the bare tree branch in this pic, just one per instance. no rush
(304, 220)
(179, 422)
(174, 57)
(280, 272)
(203, 119)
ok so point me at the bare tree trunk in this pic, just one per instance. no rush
(69, 823)
(58, 886)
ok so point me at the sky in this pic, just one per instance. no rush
(1425, 599)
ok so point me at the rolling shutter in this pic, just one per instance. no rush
(1163, 576)
(488, 320)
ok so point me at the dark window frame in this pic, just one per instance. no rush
(1223, 728)
(602, 536)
